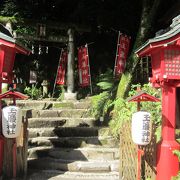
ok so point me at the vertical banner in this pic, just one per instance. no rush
(121, 54)
(83, 65)
(60, 79)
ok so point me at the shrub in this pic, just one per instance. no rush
(34, 92)
(177, 177)
(123, 110)
(102, 102)
(59, 92)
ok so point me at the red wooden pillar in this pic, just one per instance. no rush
(167, 162)
(1, 137)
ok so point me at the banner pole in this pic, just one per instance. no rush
(57, 73)
(89, 69)
(119, 33)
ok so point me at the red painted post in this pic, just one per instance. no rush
(14, 159)
(1, 137)
(167, 162)
(14, 150)
(1, 153)
(140, 153)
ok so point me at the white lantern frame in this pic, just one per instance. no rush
(141, 128)
(11, 121)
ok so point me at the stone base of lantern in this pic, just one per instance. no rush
(70, 96)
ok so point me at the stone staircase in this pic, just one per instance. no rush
(65, 142)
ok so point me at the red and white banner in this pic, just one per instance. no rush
(60, 79)
(121, 54)
(83, 66)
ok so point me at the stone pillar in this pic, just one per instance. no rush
(70, 66)
(70, 95)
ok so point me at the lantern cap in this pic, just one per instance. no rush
(6, 39)
(142, 96)
(163, 37)
(13, 94)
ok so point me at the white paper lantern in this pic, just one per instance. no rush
(11, 121)
(141, 128)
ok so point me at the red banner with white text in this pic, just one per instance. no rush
(121, 54)
(62, 68)
(83, 66)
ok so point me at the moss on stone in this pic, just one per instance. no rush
(123, 85)
(63, 105)
(104, 142)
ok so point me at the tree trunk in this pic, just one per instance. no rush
(149, 11)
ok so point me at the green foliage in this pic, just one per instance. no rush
(100, 104)
(122, 113)
(9, 8)
(177, 153)
(177, 177)
(5, 88)
(154, 107)
(107, 81)
(60, 92)
(105, 85)
(25, 30)
(124, 84)
(103, 101)
(34, 92)
(4, 19)
(123, 110)
(178, 133)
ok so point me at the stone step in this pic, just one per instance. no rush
(69, 132)
(76, 104)
(62, 122)
(42, 104)
(62, 175)
(34, 104)
(75, 113)
(73, 142)
(74, 166)
(82, 154)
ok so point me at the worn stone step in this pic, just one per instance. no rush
(73, 142)
(62, 175)
(41, 132)
(69, 131)
(73, 104)
(74, 166)
(34, 104)
(45, 104)
(75, 113)
(62, 122)
(86, 153)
